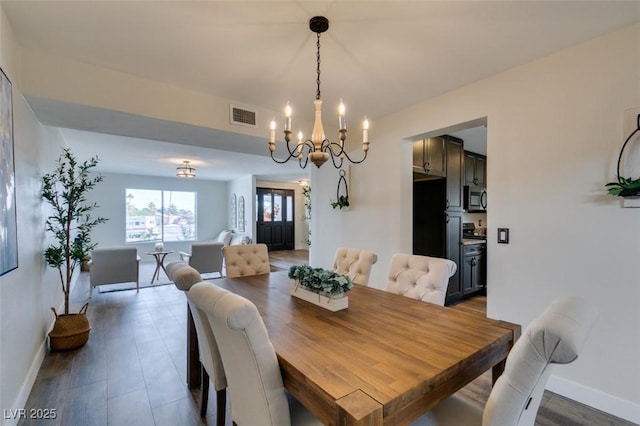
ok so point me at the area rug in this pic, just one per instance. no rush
(163, 280)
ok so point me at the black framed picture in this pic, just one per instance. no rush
(8, 225)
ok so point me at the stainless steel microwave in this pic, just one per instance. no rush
(475, 199)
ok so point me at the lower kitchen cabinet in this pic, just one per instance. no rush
(453, 252)
(474, 268)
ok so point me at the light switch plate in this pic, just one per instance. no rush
(503, 235)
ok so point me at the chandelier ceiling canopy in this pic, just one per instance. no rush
(318, 148)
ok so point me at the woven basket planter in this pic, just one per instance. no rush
(70, 331)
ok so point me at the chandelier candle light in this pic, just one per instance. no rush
(318, 149)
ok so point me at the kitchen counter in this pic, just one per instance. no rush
(469, 241)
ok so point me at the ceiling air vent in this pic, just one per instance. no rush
(242, 116)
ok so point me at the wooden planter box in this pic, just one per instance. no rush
(330, 303)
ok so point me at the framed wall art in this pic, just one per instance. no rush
(241, 214)
(8, 224)
(234, 211)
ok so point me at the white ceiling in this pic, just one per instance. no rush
(379, 56)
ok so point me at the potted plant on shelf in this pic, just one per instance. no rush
(70, 223)
(321, 287)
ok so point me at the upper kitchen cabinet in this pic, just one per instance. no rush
(455, 173)
(429, 156)
(475, 169)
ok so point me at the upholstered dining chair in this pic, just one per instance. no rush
(420, 277)
(355, 263)
(114, 265)
(246, 259)
(258, 396)
(555, 337)
(184, 277)
(205, 257)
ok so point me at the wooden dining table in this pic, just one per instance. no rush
(386, 359)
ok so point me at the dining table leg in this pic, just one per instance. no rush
(498, 369)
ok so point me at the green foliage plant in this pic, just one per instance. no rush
(70, 222)
(342, 202)
(319, 280)
(306, 193)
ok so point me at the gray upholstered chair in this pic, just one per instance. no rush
(184, 277)
(255, 383)
(246, 259)
(420, 277)
(113, 266)
(555, 337)
(206, 257)
(354, 263)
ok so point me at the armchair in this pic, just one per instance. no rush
(204, 257)
(114, 265)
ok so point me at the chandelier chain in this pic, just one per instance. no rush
(318, 68)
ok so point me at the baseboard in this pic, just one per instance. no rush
(13, 415)
(610, 404)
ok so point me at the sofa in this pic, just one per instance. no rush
(231, 238)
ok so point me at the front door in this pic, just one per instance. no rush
(275, 218)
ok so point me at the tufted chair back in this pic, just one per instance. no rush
(555, 337)
(257, 392)
(354, 263)
(185, 277)
(248, 259)
(420, 277)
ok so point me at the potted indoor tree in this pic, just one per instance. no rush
(70, 223)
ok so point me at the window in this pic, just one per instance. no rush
(160, 216)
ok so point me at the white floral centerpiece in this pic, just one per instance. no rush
(320, 286)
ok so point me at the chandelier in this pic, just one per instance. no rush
(185, 170)
(318, 149)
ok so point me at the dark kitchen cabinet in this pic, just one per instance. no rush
(429, 156)
(455, 174)
(475, 169)
(452, 252)
(474, 268)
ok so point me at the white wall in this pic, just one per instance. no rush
(26, 293)
(211, 209)
(243, 187)
(554, 132)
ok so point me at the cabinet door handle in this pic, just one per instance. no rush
(475, 181)
(474, 261)
(446, 215)
(427, 167)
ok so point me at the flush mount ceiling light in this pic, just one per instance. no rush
(318, 149)
(185, 170)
